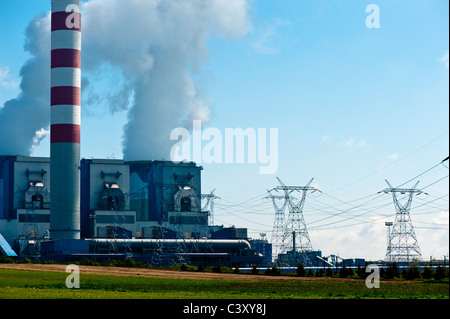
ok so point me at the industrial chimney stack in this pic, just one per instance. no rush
(65, 119)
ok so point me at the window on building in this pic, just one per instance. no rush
(185, 204)
(37, 201)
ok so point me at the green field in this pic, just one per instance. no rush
(17, 284)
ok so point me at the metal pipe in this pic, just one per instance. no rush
(219, 243)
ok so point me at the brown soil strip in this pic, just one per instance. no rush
(161, 273)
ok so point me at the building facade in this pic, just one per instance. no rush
(150, 210)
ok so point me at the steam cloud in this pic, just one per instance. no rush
(23, 119)
(157, 46)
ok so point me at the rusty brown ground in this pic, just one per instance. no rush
(162, 273)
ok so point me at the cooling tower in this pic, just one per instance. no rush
(65, 119)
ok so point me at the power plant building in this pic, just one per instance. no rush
(64, 206)
(24, 199)
(166, 195)
(150, 210)
(105, 204)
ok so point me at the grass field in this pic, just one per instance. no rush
(27, 284)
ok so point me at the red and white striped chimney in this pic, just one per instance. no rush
(65, 119)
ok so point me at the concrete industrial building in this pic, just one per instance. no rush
(24, 200)
(149, 210)
(167, 196)
(104, 199)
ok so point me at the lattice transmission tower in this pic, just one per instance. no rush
(291, 233)
(402, 243)
(208, 205)
(279, 224)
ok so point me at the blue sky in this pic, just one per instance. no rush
(353, 106)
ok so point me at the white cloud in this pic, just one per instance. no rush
(441, 219)
(367, 240)
(266, 37)
(3, 72)
(433, 238)
(5, 78)
(444, 59)
(326, 138)
(394, 156)
(350, 143)
(40, 135)
(264, 42)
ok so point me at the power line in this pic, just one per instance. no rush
(254, 206)
(393, 163)
(345, 211)
(368, 221)
(438, 164)
(436, 182)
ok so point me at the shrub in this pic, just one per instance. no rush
(301, 270)
(329, 272)
(183, 267)
(87, 262)
(236, 270)
(275, 271)
(129, 262)
(217, 269)
(360, 272)
(439, 273)
(200, 268)
(413, 272)
(6, 260)
(255, 270)
(382, 272)
(343, 273)
(404, 273)
(350, 272)
(427, 272)
(392, 271)
(111, 263)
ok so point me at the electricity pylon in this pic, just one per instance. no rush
(291, 234)
(278, 232)
(402, 243)
(209, 204)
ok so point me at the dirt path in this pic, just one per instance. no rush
(160, 273)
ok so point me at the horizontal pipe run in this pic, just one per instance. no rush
(225, 243)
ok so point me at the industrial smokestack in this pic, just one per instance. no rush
(65, 101)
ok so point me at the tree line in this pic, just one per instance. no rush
(391, 271)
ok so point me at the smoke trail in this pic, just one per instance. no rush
(23, 119)
(156, 46)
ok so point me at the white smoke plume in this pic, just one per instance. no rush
(23, 118)
(157, 46)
